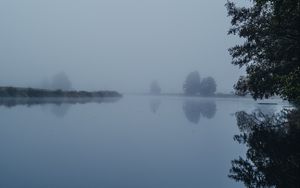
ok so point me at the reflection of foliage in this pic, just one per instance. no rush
(60, 110)
(59, 106)
(154, 105)
(208, 109)
(193, 110)
(273, 155)
(11, 102)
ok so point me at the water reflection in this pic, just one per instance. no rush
(154, 105)
(57, 106)
(266, 108)
(273, 152)
(12, 102)
(60, 110)
(194, 109)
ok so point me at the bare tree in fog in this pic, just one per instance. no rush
(61, 81)
(155, 88)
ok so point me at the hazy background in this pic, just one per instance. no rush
(115, 44)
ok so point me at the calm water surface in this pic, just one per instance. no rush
(137, 141)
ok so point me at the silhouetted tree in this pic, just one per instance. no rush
(208, 86)
(270, 53)
(155, 88)
(272, 158)
(192, 83)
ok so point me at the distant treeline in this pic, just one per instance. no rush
(44, 93)
(193, 86)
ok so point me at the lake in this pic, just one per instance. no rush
(137, 141)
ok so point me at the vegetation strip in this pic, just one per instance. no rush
(43, 93)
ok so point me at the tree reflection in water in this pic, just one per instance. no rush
(273, 152)
(193, 109)
(154, 105)
(59, 106)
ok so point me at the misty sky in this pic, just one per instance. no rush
(115, 44)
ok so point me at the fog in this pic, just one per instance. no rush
(115, 44)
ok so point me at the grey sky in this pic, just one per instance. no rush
(115, 44)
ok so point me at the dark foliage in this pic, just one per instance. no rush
(270, 53)
(273, 155)
(42, 93)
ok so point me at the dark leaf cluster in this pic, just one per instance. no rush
(273, 154)
(271, 49)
